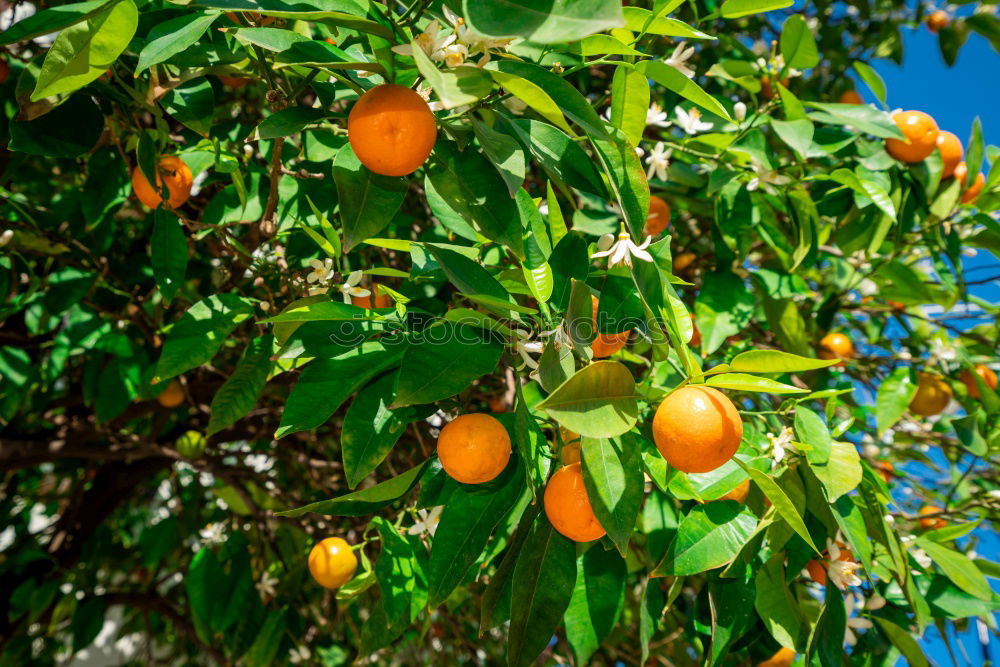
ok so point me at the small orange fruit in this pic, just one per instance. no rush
(697, 428)
(568, 507)
(570, 452)
(332, 562)
(850, 97)
(971, 192)
(921, 134)
(658, 217)
(381, 300)
(695, 333)
(172, 396)
(817, 571)
(174, 172)
(931, 522)
(739, 494)
(683, 264)
(985, 374)
(783, 658)
(933, 395)
(391, 130)
(937, 20)
(950, 148)
(473, 448)
(606, 344)
(767, 91)
(234, 82)
(836, 346)
(886, 469)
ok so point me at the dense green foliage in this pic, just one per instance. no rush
(789, 221)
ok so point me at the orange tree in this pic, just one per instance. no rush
(427, 333)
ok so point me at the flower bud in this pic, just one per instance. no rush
(740, 112)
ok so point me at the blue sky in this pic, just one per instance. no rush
(954, 97)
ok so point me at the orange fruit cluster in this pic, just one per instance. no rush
(931, 523)
(985, 374)
(391, 130)
(922, 136)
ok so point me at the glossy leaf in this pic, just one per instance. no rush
(238, 394)
(598, 401)
(196, 337)
(367, 500)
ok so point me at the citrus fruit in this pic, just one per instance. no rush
(570, 452)
(850, 97)
(886, 470)
(697, 429)
(985, 374)
(391, 130)
(739, 494)
(817, 571)
(783, 658)
(568, 507)
(473, 448)
(950, 148)
(971, 192)
(683, 264)
(332, 563)
(921, 134)
(767, 90)
(170, 170)
(836, 346)
(933, 395)
(172, 396)
(606, 344)
(658, 217)
(191, 445)
(937, 20)
(695, 333)
(381, 300)
(931, 522)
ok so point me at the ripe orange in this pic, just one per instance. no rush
(391, 130)
(658, 218)
(850, 97)
(683, 264)
(985, 374)
(570, 452)
(172, 396)
(234, 82)
(971, 192)
(886, 470)
(767, 91)
(783, 658)
(473, 448)
(921, 134)
(381, 300)
(332, 563)
(950, 148)
(568, 507)
(937, 20)
(697, 429)
(172, 170)
(695, 334)
(933, 395)
(739, 494)
(934, 522)
(817, 571)
(836, 346)
(606, 344)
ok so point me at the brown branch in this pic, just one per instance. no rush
(268, 227)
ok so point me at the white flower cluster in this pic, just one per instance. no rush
(456, 47)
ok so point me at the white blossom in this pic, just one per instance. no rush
(658, 161)
(5, 238)
(454, 55)
(690, 121)
(943, 350)
(766, 178)
(321, 273)
(740, 112)
(267, 586)
(623, 250)
(350, 287)
(781, 444)
(527, 347)
(299, 654)
(655, 115)
(678, 59)
(213, 533)
(427, 521)
(855, 622)
(921, 557)
(842, 573)
(431, 42)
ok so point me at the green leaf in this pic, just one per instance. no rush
(598, 401)
(781, 502)
(505, 154)
(903, 641)
(469, 518)
(626, 176)
(597, 601)
(367, 200)
(798, 46)
(798, 134)
(732, 9)
(238, 395)
(370, 429)
(893, 398)
(69, 130)
(496, 598)
(455, 87)
(325, 384)
(201, 580)
(827, 641)
(602, 45)
(974, 152)
(958, 567)
(318, 311)
(400, 575)
(49, 20)
(543, 583)
(469, 184)
(775, 361)
(539, 282)
(268, 640)
(192, 104)
(629, 101)
(614, 480)
(85, 51)
(671, 79)
(731, 602)
(708, 537)
(367, 500)
(171, 37)
(650, 610)
(743, 382)
(642, 20)
(723, 307)
(559, 155)
(872, 79)
(549, 23)
(168, 251)
(291, 121)
(865, 187)
(443, 360)
(775, 604)
(196, 337)
(810, 429)
(841, 473)
(88, 619)
(861, 117)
